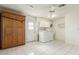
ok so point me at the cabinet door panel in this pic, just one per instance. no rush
(21, 38)
(14, 32)
(7, 33)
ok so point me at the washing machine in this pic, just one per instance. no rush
(46, 36)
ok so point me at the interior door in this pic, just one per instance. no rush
(7, 32)
(20, 29)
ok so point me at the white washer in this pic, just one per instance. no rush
(45, 36)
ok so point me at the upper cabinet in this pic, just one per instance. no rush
(44, 23)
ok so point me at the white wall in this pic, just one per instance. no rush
(72, 26)
(59, 28)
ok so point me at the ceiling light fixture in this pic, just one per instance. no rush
(52, 10)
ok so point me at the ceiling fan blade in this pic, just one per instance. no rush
(61, 5)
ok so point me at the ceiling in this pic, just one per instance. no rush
(38, 10)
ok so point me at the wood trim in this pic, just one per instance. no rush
(13, 13)
(13, 16)
(13, 19)
(0, 32)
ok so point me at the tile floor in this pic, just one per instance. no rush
(38, 48)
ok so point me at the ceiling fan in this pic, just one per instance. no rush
(53, 9)
(31, 6)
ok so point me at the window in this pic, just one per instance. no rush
(30, 25)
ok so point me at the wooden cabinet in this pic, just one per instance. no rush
(7, 30)
(12, 27)
(20, 27)
(14, 33)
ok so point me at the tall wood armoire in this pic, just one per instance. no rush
(12, 30)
